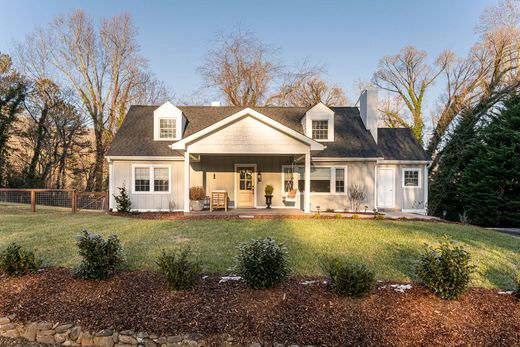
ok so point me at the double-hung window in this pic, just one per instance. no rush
(411, 178)
(167, 128)
(320, 129)
(340, 180)
(151, 179)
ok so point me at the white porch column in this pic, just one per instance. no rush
(425, 179)
(307, 200)
(186, 181)
(111, 192)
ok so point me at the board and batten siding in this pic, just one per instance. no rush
(248, 135)
(151, 201)
(408, 198)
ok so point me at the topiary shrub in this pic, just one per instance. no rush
(517, 280)
(100, 257)
(351, 279)
(262, 263)
(16, 261)
(179, 270)
(123, 202)
(446, 269)
(268, 189)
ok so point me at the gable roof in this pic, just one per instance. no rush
(351, 139)
(400, 144)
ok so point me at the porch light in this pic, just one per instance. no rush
(259, 177)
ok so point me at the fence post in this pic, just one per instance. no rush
(74, 200)
(33, 201)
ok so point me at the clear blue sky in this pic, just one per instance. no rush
(348, 36)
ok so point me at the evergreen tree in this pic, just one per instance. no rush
(123, 200)
(489, 188)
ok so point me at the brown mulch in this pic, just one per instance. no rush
(290, 313)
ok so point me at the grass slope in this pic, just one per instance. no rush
(388, 247)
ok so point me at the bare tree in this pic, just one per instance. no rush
(103, 65)
(308, 89)
(489, 72)
(12, 95)
(408, 75)
(241, 68)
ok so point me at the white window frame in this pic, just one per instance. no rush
(152, 168)
(326, 121)
(175, 132)
(419, 177)
(332, 178)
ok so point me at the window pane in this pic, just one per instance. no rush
(161, 180)
(411, 178)
(142, 179)
(320, 129)
(320, 179)
(340, 180)
(167, 128)
(287, 179)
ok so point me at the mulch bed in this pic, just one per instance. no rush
(290, 313)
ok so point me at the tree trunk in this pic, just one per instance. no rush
(31, 172)
(99, 165)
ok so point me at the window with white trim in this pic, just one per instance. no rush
(320, 129)
(411, 178)
(340, 180)
(167, 128)
(287, 179)
(320, 179)
(152, 179)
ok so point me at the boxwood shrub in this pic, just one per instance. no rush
(262, 263)
(351, 279)
(446, 269)
(100, 257)
(517, 280)
(16, 261)
(179, 270)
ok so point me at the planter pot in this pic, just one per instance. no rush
(197, 205)
(268, 200)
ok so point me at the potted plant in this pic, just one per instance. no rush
(268, 195)
(197, 196)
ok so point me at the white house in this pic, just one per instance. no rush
(312, 157)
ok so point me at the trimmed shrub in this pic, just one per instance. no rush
(262, 263)
(446, 269)
(123, 202)
(179, 271)
(100, 257)
(16, 261)
(351, 279)
(268, 189)
(517, 280)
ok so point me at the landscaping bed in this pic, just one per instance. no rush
(291, 313)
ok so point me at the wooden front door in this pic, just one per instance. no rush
(245, 186)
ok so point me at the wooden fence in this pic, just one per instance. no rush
(63, 198)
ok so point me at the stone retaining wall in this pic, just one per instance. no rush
(73, 335)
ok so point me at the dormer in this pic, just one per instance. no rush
(318, 123)
(168, 123)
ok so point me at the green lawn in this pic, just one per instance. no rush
(388, 247)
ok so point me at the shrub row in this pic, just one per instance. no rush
(262, 263)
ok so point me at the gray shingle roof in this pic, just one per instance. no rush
(400, 144)
(135, 137)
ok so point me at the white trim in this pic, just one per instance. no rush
(173, 138)
(393, 186)
(167, 111)
(413, 162)
(181, 145)
(332, 182)
(333, 159)
(143, 158)
(255, 179)
(307, 188)
(419, 176)
(425, 178)
(419, 211)
(186, 182)
(151, 174)
(111, 199)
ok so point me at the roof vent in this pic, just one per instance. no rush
(215, 103)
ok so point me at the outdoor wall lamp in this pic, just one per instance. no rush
(259, 176)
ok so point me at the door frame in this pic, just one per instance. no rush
(391, 168)
(255, 182)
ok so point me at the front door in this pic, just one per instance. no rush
(245, 186)
(385, 188)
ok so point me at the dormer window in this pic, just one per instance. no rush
(167, 128)
(320, 129)
(168, 123)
